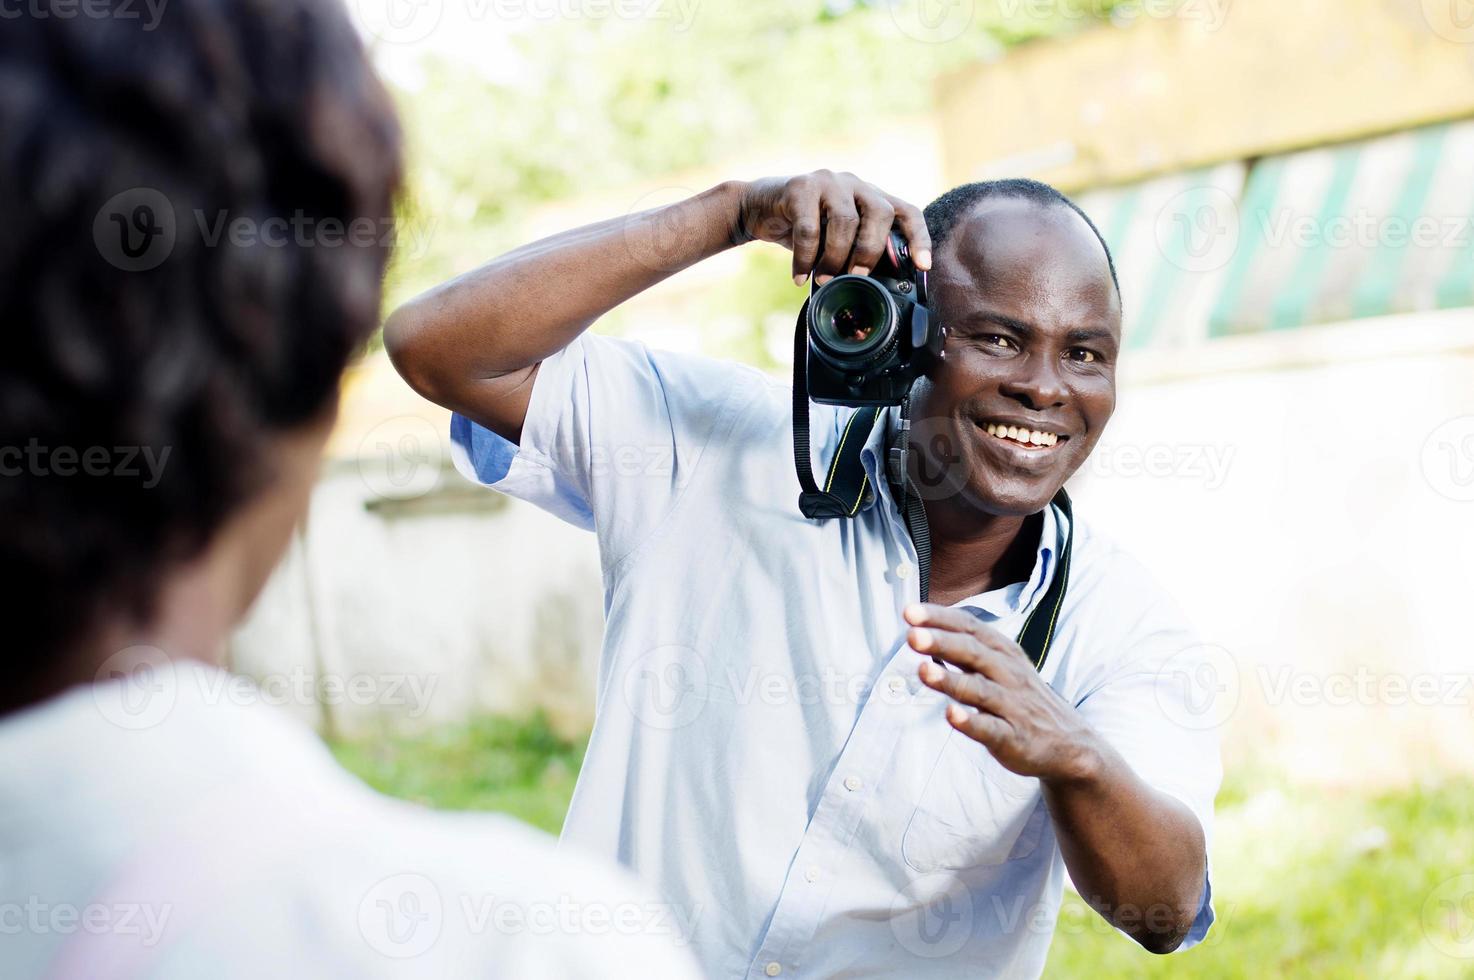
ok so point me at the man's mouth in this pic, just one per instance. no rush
(1022, 437)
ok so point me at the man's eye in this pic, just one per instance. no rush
(1082, 355)
(997, 340)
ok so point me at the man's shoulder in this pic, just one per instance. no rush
(1108, 574)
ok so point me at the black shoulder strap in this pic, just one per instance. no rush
(1038, 631)
(846, 483)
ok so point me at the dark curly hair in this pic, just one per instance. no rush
(140, 319)
(943, 214)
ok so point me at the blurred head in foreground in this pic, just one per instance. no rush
(196, 215)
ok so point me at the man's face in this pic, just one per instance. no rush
(1033, 331)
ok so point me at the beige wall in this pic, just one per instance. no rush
(1220, 80)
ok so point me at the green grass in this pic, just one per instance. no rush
(517, 767)
(1308, 883)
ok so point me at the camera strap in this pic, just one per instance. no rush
(1038, 630)
(847, 482)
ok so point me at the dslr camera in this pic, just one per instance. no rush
(870, 337)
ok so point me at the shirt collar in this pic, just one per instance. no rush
(1012, 599)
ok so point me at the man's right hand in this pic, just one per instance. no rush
(848, 217)
(474, 344)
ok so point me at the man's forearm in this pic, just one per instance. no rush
(1136, 855)
(518, 309)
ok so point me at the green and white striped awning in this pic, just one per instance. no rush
(1331, 234)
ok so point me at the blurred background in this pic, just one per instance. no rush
(1289, 191)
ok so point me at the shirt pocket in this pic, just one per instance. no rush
(973, 812)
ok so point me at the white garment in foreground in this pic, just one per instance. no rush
(764, 753)
(172, 826)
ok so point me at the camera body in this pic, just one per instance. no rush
(870, 337)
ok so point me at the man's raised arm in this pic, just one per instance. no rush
(474, 344)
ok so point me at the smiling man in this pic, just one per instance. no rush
(778, 746)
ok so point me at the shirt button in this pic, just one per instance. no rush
(897, 685)
(811, 875)
(852, 783)
(773, 969)
(904, 570)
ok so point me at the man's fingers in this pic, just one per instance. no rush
(948, 619)
(980, 726)
(877, 216)
(962, 649)
(912, 222)
(841, 222)
(975, 690)
(803, 213)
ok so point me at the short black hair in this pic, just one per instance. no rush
(943, 214)
(140, 323)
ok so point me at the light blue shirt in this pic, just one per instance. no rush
(763, 752)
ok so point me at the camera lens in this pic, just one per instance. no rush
(852, 319)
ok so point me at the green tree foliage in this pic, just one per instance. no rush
(600, 102)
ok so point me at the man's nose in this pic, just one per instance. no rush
(1037, 384)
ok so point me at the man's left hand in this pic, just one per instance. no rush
(1027, 727)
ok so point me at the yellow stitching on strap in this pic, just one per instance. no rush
(834, 463)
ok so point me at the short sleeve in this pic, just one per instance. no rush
(1159, 710)
(614, 434)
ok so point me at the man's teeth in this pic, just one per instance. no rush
(1029, 437)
